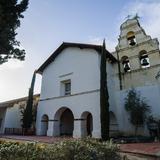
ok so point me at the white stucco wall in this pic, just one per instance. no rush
(152, 96)
(13, 117)
(82, 67)
(77, 104)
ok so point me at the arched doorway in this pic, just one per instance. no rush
(64, 122)
(44, 125)
(86, 124)
(113, 124)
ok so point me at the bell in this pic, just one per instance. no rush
(145, 62)
(132, 42)
(126, 67)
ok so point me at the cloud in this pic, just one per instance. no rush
(149, 12)
(12, 64)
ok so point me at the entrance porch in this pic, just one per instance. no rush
(65, 124)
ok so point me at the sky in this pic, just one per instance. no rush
(48, 23)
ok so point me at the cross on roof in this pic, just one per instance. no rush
(136, 16)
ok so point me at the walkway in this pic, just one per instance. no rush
(150, 149)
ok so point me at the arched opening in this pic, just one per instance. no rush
(131, 38)
(86, 124)
(64, 122)
(126, 64)
(113, 124)
(144, 59)
(44, 125)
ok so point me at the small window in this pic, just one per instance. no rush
(144, 59)
(67, 88)
(131, 38)
(126, 64)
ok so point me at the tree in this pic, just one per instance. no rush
(28, 112)
(10, 14)
(137, 108)
(34, 113)
(104, 97)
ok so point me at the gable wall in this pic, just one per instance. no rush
(82, 66)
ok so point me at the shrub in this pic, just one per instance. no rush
(86, 149)
(137, 108)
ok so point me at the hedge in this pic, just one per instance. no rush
(84, 149)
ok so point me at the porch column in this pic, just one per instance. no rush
(50, 128)
(56, 128)
(38, 132)
(77, 128)
(96, 133)
(38, 127)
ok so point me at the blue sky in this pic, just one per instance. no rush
(48, 23)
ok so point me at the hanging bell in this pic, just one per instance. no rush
(145, 62)
(126, 67)
(132, 42)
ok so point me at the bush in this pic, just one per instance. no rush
(137, 108)
(86, 149)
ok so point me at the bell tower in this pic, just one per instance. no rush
(138, 54)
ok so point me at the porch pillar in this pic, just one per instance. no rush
(56, 128)
(77, 128)
(96, 133)
(50, 128)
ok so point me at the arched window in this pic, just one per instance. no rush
(144, 59)
(126, 64)
(131, 38)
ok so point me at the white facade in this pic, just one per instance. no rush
(70, 94)
(11, 116)
(82, 68)
(151, 94)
